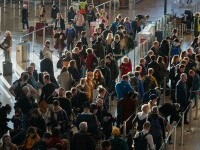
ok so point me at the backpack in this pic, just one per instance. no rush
(155, 128)
(140, 142)
(18, 89)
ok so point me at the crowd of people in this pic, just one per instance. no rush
(48, 108)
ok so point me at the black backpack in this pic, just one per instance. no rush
(18, 89)
(140, 142)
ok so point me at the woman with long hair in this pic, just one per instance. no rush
(6, 45)
(108, 42)
(98, 78)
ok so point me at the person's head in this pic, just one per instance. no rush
(155, 110)
(147, 125)
(183, 77)
(108, 59)
(31, 132)
(86, 107)
(25, 77)
(103, 63)
(71, 8)
(6, 140)
(59, 16)
(56, 105)
(72, 63)
(106, 145)
(26, 90)
(192, 73)
(89, 75)
(160, 59)
(150, 71)
(74, 91)
(156, 44)
(153, 98)
(93, 108)
(30, 70)
(153, 57)
(83, 33)
(138, 68)
(125, 78)
(182, 68)
(115, 131)
(150, 53)
(89, 51)
(61, 92)
(101, 90)
(83, 126)
(175, 31)
(175, 59)
(68, 94)
(33, 65)
(146, 17)
(117, 38)
(142, 61)
(35, 113)
(97, 74)
(25, 6)
(47, 43)
(46, 78)
(125, 59)
(47, 138)
(99, 102)
(145, 108)
(190, 51)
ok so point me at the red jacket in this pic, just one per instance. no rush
(89, 62)
(125, 68)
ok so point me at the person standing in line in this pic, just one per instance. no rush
(6, 45)
(25, 16)
(54, 12)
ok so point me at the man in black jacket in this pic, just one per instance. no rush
(4, 111)
(83, 140)
(105, 71)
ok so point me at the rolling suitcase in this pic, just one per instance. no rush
(39, 26)
(7, 68)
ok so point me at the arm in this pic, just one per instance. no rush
(150, 142)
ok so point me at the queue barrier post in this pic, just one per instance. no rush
(182, 129)
(44, 32)
(164, 90)
(174, 141)
(190, 117)
(124, 130)
(197, 105)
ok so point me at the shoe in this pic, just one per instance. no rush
(186, 122)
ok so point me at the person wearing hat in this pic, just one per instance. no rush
(157, 127)
(117, 142)
(7, 144)
(87, 116)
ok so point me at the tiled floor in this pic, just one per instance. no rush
(10, 19)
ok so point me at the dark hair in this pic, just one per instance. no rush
(47, 76)
(56, 132)
(47, 135)
(56, 103)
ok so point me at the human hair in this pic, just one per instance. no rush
(64, 69)
(47, 77)
(125, 77)
(150, 71)
(83, 126)
(25, 77)
(89, 51)
(147, 125)
(56, 103)
(100, 74)
(153, 57)
(160, 59)
(72, 63)
(174, 59)
(105, 144)
(117, 37)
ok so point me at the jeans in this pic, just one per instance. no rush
(70, 45)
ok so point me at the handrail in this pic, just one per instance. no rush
(102, 4)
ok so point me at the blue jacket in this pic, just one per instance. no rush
(122, 88)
